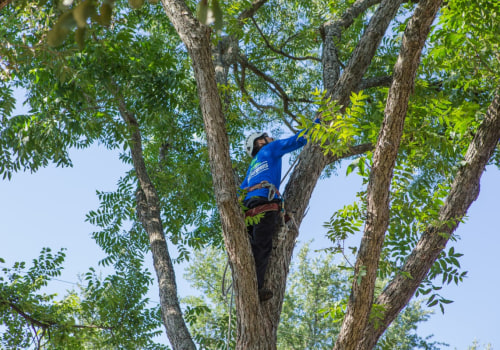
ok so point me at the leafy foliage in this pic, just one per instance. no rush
(105, 314)
(339, 128)
(122, 58)
(317, 293)
(448, 104)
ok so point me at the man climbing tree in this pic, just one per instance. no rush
(430, 126)
(261, 189)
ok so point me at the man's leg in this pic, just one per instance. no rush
(262, 243)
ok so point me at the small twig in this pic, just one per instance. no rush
(343, 254)
(248, 13)
(280, 51)
(275, 87)
(241, 85)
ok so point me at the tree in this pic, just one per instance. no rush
(475, 345)
(83, 319)
(428, 137)
(317, 292)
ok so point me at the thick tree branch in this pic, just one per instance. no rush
(365, 50)
(4, 3)
(348, 17)
(384, 159)
(149, 213)
(224, 56)
(196, 37)
(44, 324)
(31, 320)
(368, 83)
(353, 151)
(331, 33)
(463, 193)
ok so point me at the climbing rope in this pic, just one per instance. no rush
(289, 169)
(225, 292)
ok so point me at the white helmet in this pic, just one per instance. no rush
(250, 141)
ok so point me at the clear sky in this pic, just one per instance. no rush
(47, 209)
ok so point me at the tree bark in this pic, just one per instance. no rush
(257, 325)
(365, 50)
(384, 159)
(311, 160)
(463, 193)
(252, 334)
(149, 213)
(332, 33)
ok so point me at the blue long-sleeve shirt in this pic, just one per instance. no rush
(266, 165)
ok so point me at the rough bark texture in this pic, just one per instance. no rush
(258, 323)
(312, 161)
(148, 211)
(365, 50)
(384, 159)
(251, 331)
(463, 193)
(332, 33)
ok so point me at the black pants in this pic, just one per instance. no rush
(261, 236)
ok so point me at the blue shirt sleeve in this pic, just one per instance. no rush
(278, 148)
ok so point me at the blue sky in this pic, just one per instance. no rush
(47, 209)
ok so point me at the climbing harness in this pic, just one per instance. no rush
(262, 208)
(273, 206)
(265, 184)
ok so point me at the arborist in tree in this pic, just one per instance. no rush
(261, 189)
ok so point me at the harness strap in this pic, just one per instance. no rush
(262, 208)
(265, 184)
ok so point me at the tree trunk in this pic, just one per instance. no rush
(148, 211)
(463, 193)
(312, 161)
(384, 159)
(252, 333)
(257, 324)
